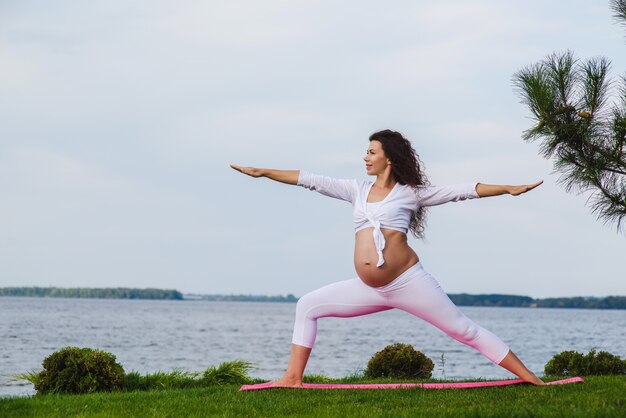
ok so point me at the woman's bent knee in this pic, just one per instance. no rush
(466, 332)
(305, 327)
(304, 302)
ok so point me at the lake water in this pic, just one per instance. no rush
(147, 336)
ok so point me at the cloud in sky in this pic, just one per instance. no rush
(118, 121)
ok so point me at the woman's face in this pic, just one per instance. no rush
(375, 160)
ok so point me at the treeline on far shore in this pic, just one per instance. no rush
(242, 298)
(93, 293)
(460, 299)
(580, 302)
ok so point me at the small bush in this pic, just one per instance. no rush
(571, 363)
(79, 370)
(399, 361)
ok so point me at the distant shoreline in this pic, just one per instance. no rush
(460, 299)
(93, 293)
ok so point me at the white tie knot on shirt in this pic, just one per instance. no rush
(369, 215)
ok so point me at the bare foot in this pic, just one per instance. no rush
(536, 381)
(287, 382)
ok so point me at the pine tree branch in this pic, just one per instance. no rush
(594, 83)
(616, 171)
(567, 100)
(610, 197)
(619, 8)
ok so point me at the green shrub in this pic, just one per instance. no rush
(570, 363)
(79, 370)
(399, 361)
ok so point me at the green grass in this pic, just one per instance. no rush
(601, 396)
(235, 372)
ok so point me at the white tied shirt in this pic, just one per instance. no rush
(394, 211)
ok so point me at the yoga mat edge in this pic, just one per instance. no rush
(450, 385)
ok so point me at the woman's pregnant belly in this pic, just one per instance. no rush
(397, 253)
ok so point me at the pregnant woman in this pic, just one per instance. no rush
(390, 274)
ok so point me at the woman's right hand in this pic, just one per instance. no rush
(250, 171)
(283, 176)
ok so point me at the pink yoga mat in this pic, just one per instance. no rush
(460, 385)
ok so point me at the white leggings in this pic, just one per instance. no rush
(414, 291)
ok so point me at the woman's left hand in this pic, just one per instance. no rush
(518, 190)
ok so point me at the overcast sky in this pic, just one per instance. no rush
(118, 120)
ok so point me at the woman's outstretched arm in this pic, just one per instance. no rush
(283, 176)
(486, 190)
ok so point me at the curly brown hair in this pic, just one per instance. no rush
(406, 169)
